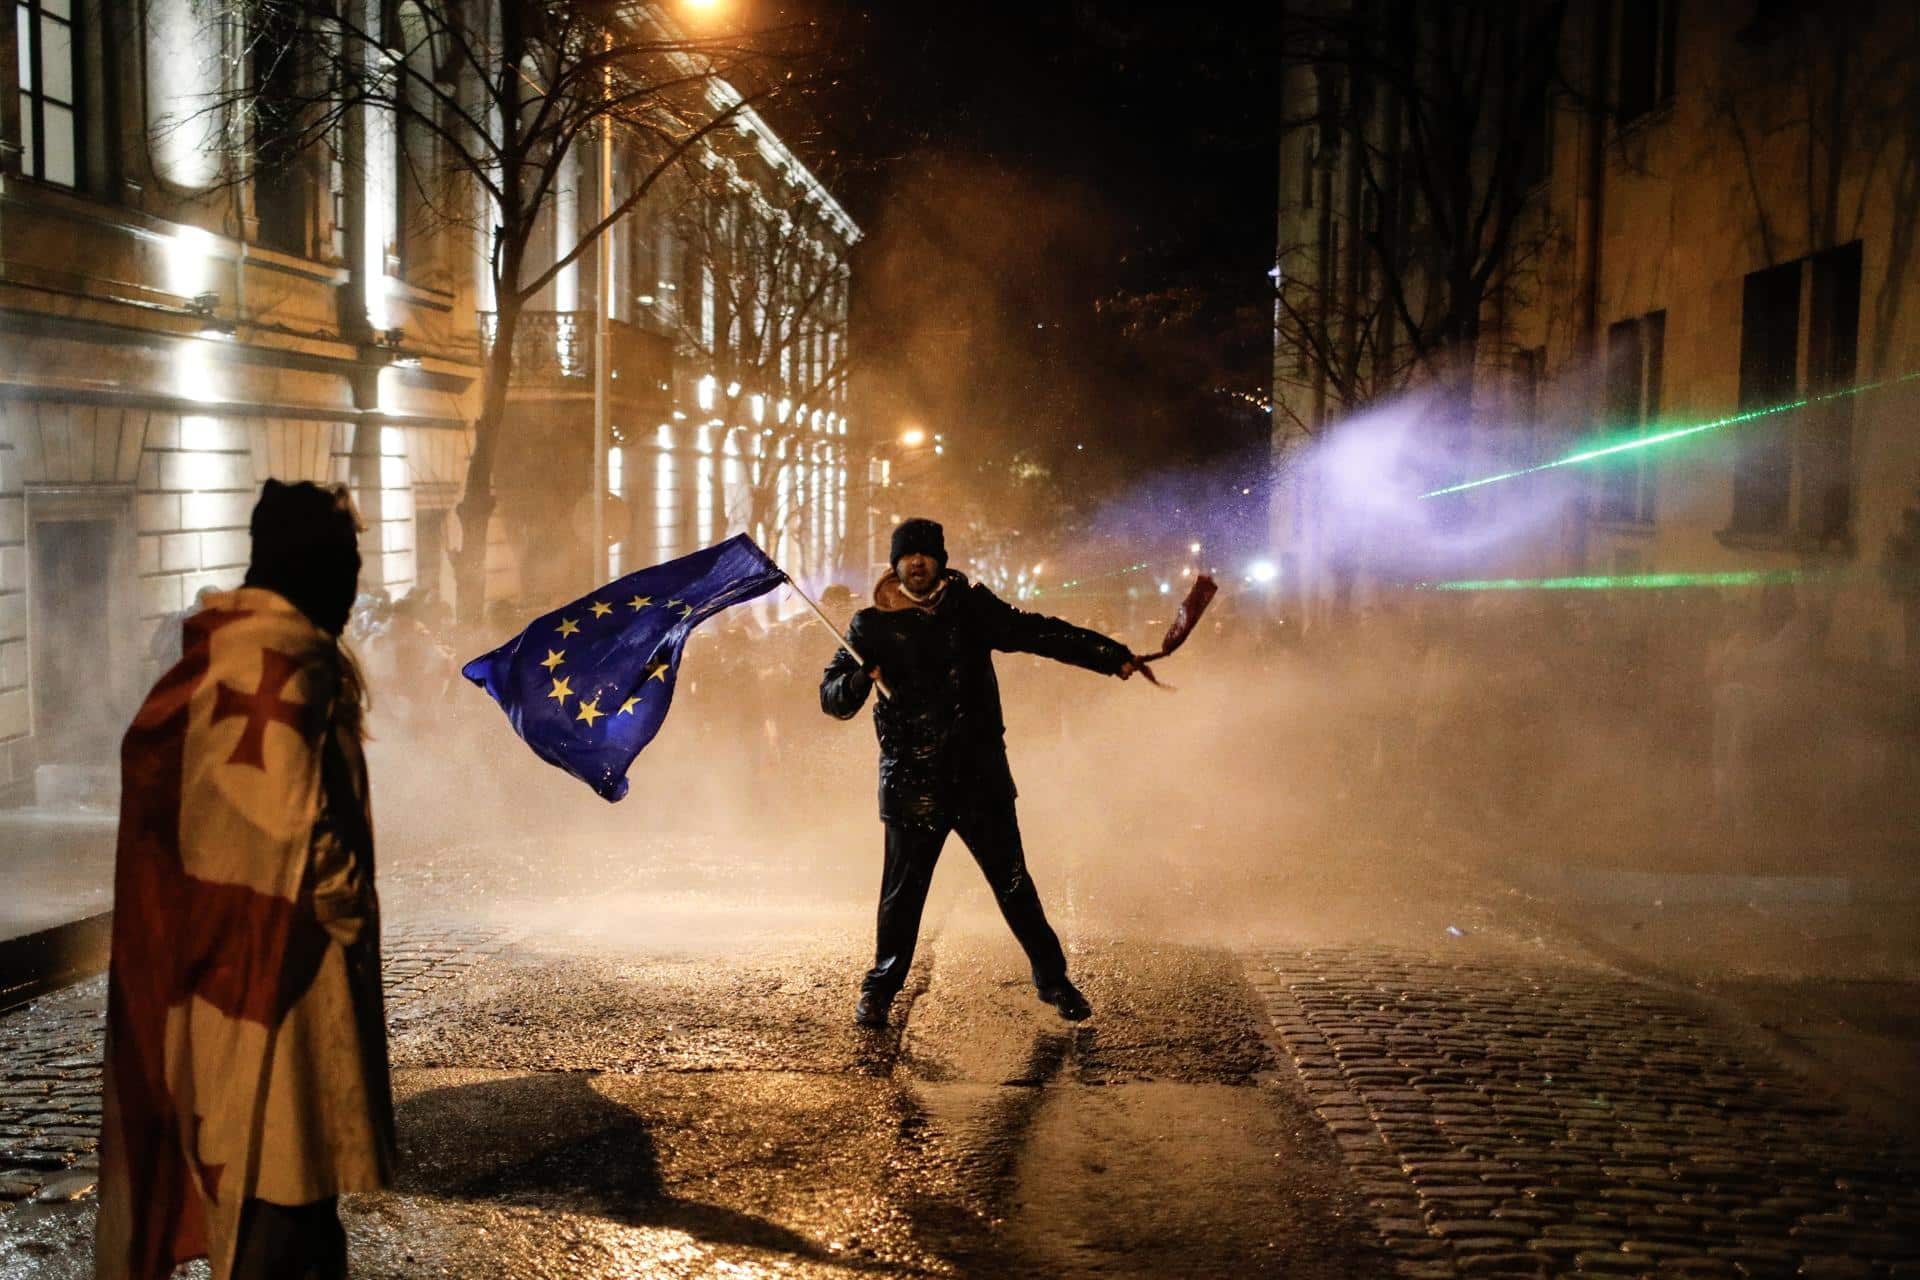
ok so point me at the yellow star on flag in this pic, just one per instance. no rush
(601, 608)
(658, 671)
(561, 691)
(569, 627)
(628, 706)
(639, 602)
(590, 711)
(673, 604)
(686, 611)
(554, 658)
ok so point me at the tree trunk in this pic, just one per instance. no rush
(477, 502)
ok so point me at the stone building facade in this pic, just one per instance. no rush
(173, 337)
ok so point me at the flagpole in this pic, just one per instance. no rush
(838, 639)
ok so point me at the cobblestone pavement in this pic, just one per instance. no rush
(50, 1080)
(1506, 1118)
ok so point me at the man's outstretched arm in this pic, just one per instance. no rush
(1017, 631)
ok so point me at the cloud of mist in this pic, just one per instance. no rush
(1369, 476)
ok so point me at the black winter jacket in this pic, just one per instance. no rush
(942, 740)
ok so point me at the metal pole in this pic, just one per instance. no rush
(603, 338)
(838, 639)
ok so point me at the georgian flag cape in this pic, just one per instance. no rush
(246, 1045)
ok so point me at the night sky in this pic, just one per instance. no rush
(1069, 211)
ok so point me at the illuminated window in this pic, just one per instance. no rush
(44, 32)
(709, 385)
(666, 498)
(566, 230)
(733, 478)
(840, 506)
(783, 512)
(616, 473)
(183, 71)
(826, 510)
(703, 477)
(709, 307)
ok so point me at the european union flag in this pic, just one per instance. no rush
(588, 686)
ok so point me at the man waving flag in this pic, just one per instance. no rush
(588, 685)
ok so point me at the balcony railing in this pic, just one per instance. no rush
(555, 349)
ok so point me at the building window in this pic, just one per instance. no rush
(1529, 367)
(282, 178)
(416, 149)
(1648, 35)
(44, 32)
(666, 500)
(1826, 428)
(1794, 470)
(1635, 359)
(709, 308)
(1769, 359)
(1533, 148)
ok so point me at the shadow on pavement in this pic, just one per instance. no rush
(588, 1155)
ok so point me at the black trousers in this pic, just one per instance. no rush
(993, 837)
(291, 1242)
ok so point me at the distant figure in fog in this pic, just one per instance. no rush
(929, 636)
(246, 1072)
(1749, 671)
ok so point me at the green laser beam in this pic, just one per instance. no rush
(1624, 581)
(1071, 583)
(1630, 444)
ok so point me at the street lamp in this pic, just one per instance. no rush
(913, 437)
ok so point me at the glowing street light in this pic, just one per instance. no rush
(913, 437)
(1193, 548)
(1262, 571)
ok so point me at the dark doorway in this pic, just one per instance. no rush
(75, 709)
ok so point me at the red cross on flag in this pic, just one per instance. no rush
(220, 982)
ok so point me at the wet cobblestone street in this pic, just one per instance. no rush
(50, 1084)
(1506, 1119)
(1499, 1111)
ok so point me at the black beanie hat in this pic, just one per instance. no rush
(920, 535)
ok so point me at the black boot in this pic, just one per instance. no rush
(1066, 998)
(871, 1010)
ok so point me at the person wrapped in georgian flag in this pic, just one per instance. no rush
(246, 1062)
